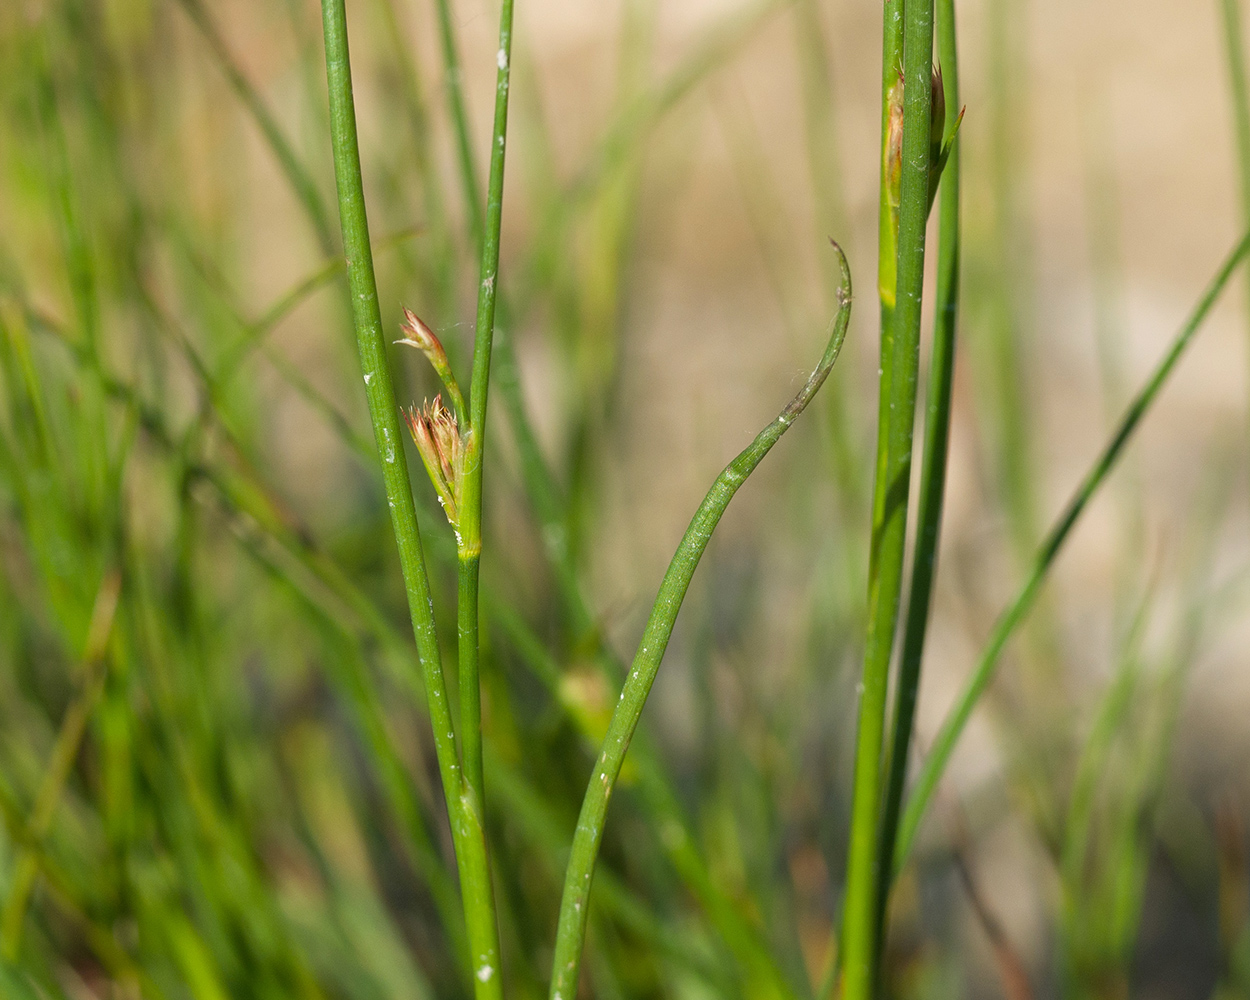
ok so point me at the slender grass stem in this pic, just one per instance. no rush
(469, 537)
(1005, 344)
(467, 619)
(64, 754)
(574, 906)
(932, 471)
(540, 485)
(900, 366)
(466, 819)
(1234, 51)
(953, 726)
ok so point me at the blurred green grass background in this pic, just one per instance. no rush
(216, 776)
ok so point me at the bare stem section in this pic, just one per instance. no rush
(900, 362)
(937, 423)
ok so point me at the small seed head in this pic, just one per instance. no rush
(437, 437)
(421, 337)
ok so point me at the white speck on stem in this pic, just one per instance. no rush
(501, 59)
(484, 974)
(368, 377)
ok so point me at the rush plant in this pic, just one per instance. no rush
(353, 735)
(919, 159)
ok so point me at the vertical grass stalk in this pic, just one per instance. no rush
(469, 534)
(899, 372)
(1235, 53)
(932, 471)
(466, 823)
(574, 906)
(957, 718)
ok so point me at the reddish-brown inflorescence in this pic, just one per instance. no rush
(437, 437)
(422, 338)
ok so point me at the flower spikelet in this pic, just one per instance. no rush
(417, 334)
(437, 437)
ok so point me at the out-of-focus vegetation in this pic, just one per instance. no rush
(217, 777)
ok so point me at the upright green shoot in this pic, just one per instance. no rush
(932, 470)
(469, 533)
(463, 806)
(940, 753)
(1235, 53)
(899, 371)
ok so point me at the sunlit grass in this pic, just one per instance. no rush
(224, 758)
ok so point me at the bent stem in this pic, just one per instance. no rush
(932, 471)
(939, 756)
(571, 931)
(466, 822)
(899, 371)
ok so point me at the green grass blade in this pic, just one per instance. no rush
(900, 369)
(1234, 53)
(932, 470)
(939, 756)
(574, 906)
(467, 823)
(469, 539)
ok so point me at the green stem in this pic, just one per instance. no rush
(469, 533)
(467, 619)
(1235, 53)
(932, 471)
(541, 488)
(488, 285)
(957, 718)
(64, 753)
(571, 931)
(466, 821)
(900, 357)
